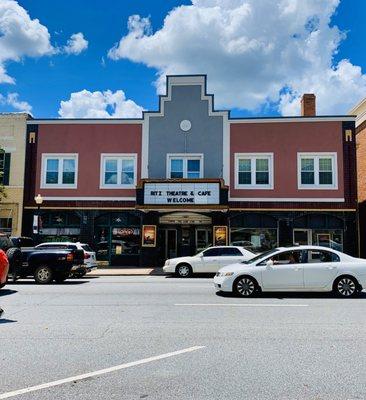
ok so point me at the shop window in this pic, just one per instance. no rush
(4, 167)
(184, 166)
(253, 171)
(118, 171)
(328, 238)
(126, 241)
(6, 225)
(317, 171)
(59, 171)
(254, 239)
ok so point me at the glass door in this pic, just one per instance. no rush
(203, 238)
(170, 243)
(302, 236)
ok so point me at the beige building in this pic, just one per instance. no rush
(12, 162)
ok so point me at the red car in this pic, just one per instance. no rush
(4, 268)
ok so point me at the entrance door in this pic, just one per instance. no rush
(302, 237)
(170, 243)
(203, 239)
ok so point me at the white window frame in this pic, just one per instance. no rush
(185, 157)
(253, 157)
(119, 156)
(60, 157)
(316, 156)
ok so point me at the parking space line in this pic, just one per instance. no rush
(241, 305)
(97, 373)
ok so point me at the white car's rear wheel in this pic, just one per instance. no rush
(245, 286)
(184, 270)
(346, 286)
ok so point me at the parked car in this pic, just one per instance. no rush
(13, 254)
(4, 269)
(46, 265)
(297, 268)
(209, 260)
(90, 261)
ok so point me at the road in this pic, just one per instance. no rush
(157, 337)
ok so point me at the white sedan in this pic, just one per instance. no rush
(207, 261)
(298, 268)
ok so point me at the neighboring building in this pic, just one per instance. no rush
(12, 161)
(360, 112)
(194, 173)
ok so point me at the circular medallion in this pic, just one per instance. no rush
(185, 125)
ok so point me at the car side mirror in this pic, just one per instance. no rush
(269, 264)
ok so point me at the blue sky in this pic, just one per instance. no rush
(44, 81)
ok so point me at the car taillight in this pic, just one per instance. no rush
(70, 257)
(86, 256)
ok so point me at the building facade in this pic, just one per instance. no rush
(12, 164)
(187, 176)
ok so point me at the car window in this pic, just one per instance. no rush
(321, 256)
(214, 252)
(259, 257)
(230, 251)
(86, 247)
(26, 242)
(286, 257)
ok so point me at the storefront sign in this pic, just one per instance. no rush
(220, 235)
(149, 235)
(182, 193)
(125, 232)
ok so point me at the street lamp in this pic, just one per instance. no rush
(39, 200)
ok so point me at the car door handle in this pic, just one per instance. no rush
(297, 269)
(330, 267)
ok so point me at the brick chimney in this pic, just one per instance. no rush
(308, 105)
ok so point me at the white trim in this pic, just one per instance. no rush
(339, 118)
(290, 199)
(226, 151)
(109, 121)
(185, 157)
(316, 156)
(70, 198)
(145, 149)
(253, 157)
(60, 156)
(118, 156)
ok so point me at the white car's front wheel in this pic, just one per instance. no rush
(346, 286)
(183, 270)
(245, 286)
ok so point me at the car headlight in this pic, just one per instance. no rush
(228, 273)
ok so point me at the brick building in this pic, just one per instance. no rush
(187, 175)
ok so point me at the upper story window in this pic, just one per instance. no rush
(4, 167)
(185, 166)
(59, 171)
(254, 171)
(317, 171)
(118, 171)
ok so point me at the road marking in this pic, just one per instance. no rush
(97, 373)
(241, 305)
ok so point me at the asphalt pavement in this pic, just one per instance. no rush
(155, 337)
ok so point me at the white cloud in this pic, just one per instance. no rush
(254, 52)
(85, 104)
(76, 44)
(12, 99)
(20, 36)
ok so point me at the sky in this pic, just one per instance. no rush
(100, 59)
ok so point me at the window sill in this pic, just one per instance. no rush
(254, 187)
(58, 187)
(117, 186)
(317, 187)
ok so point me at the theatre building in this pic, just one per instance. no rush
(187, 176)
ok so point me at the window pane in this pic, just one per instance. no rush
(176, 174)
(193, 166)
(325, 164)
(68, 175)
(262, 178)
(245, 178)
(193, 175)
(176, 165)
(52, 171)
(52, 177)
(261, 164)
(307, 164)
(110, 178)
(245, 165)
(127, 178)
(127, 165)
(68, 178)
(325, 178)
(307, 178)
(111, 165)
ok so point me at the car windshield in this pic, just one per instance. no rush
(260, 256)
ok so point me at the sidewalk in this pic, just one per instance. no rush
(126, 271)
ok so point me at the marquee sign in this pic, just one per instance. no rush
(180, 194)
